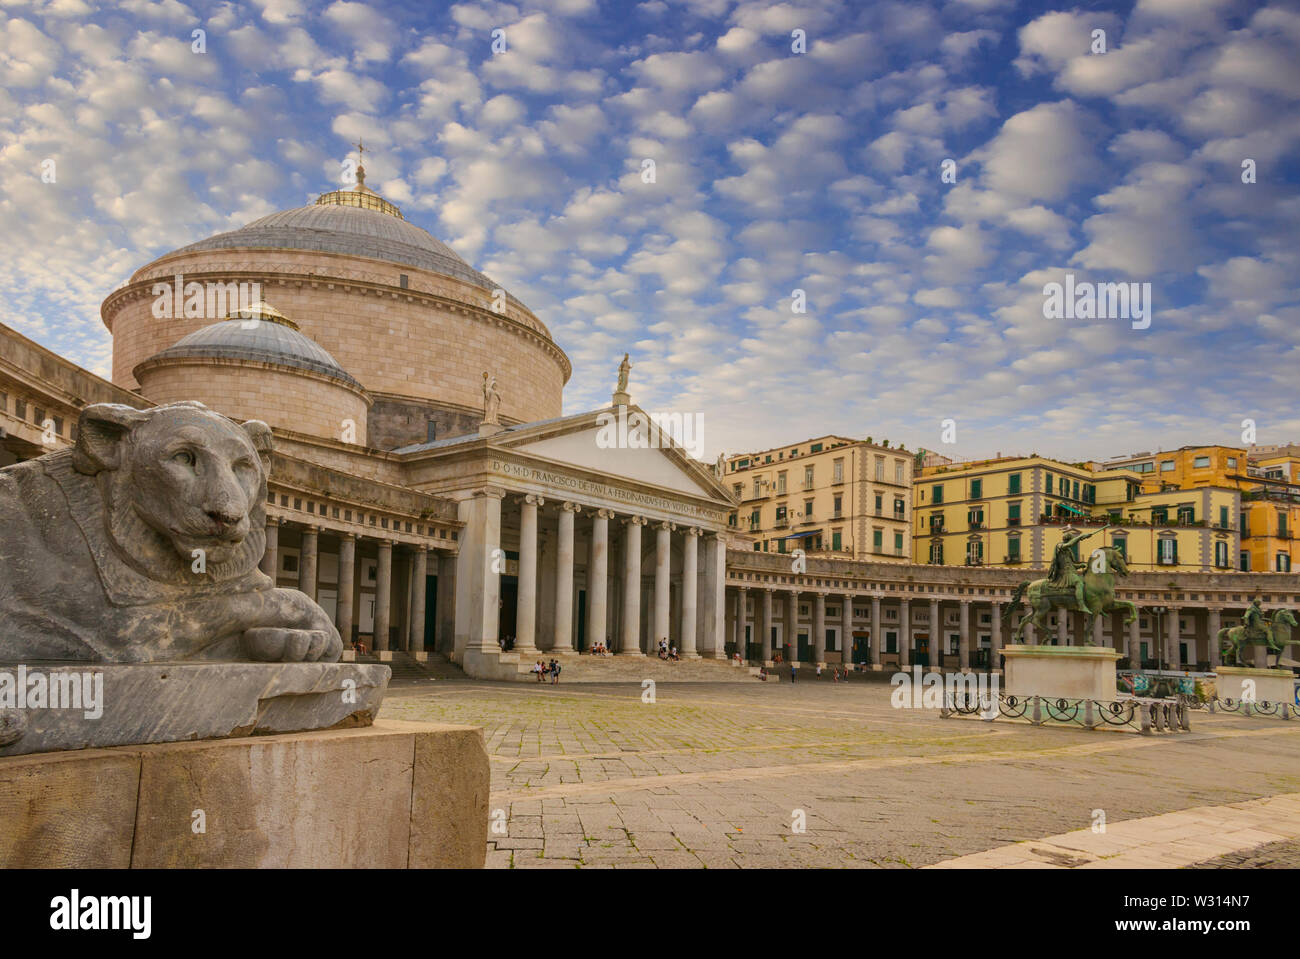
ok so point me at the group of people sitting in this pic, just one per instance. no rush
(506, 643)
(600, 649)
(668, 652)
(542, 670)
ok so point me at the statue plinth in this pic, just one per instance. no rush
(1061, 672)
(1247, 684)
(490, 429)
(622, 399)
(46, 707)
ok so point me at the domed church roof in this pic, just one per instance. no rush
(356, 221)
(262, 334)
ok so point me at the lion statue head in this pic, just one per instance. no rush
(184, 487)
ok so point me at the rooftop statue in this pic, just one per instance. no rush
(491, 400)
(623, 369)
(142, 543)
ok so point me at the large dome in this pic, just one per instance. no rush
(353, 230)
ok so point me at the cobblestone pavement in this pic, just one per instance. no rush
(1273, 855)
(724, 775)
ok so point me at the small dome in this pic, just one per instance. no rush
(264, 337)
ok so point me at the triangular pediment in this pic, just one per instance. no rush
(620, 442)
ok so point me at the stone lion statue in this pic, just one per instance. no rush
(142, 544)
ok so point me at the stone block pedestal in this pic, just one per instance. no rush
(394, 795)
(1061, 672)
(1240, 683)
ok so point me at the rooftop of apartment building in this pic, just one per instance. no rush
(960, 466)
(808, 447)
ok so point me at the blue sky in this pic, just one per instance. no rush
(775, 170)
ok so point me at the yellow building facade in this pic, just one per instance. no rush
(1014, 511)
(827, 495)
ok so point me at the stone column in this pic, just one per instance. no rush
(564, 581)
(630, 635)
(478, 578)
(419, 572)
(715, 598)
(877, 635)
(1097, 623)
(526, 605)
(598, 579)
(347, 584)
(663, 574)
(963, 641)
(995, 636)
(1214, 625)
(1063, 637)
(765, 625)
(1135, 643)
(1174, 660)
(904, 634)
(307, 561)
(742, 614)
(936, 636)
(383, 593)
(819, 627)
(846, 630)
(690, 586)
(271, 556)
(792, 620)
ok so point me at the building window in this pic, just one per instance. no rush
(815, 448)
(899, 508)
(1221, 554)
(1232, 462)
(880, 504)
(807, 477)
(780, 482)
(839, 505)
(1121, 544)
(1013, 514)
(1047, 484)
(1186, 515)
(898, 544)
(1013, 549)
(1166, 466)
(880, 469)
(936, 553)
(936, 522)
(975, 553)
(1283, 562)
(403, 280)
(1168, 552)
(1223, 517)
(936, 495)
(877, 540)
(1281, 524)
(835, 540)
(976, 489)
(898, 472)
(837, 471)
(1245, 562)
(1013, 484)
(807, 509)
(1201, 462)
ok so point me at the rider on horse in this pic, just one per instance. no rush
(1253, 621)
(1065, 572)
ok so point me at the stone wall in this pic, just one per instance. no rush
(397, 421)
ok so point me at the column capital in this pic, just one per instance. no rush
(694, 531)
(273, 520)
(635, 521)
(385, 543)
(666, 525)
(603, 514)
(492, 492)
(345, 536)
(571, 507)
(532, 499)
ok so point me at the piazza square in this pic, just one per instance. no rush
(682, 435)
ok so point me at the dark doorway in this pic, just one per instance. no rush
(581, 642)
(805, 649)
(508, 620)
(921, 655)
(430, 611)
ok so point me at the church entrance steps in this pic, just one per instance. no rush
(576, 668)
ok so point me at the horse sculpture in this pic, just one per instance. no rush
(1098, 590)
(1276, 638)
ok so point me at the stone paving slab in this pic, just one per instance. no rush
(731, 773)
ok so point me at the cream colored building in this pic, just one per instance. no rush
(830, 495)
